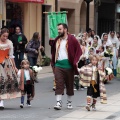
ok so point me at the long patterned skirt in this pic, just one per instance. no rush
(8, 81)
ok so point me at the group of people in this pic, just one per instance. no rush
(87, 56)
(98, 54)
(107, 48)
(16, 76)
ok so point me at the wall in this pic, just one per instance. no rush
(1, 13)
(47, 46)
(92, 16)
(78, 17)
(4, 11)
(32, 19)
(70, 7)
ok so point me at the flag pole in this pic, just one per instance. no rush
(56, 12)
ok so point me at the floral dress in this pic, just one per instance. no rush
(8, 77)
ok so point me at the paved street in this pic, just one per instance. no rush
(42, 105)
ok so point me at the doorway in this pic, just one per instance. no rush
(14, 17)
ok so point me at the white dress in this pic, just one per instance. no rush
(8, 77)
(114, 59)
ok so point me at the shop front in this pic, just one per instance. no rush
(28, 14)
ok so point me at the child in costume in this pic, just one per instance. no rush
(91, 52)
(101, 58)
(93, 77)
(26, 82)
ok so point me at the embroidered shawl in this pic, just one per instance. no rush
(86, 76)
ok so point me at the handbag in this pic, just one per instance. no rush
(26, 47)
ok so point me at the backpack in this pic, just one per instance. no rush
(26, 48)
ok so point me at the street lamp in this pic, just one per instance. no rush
(87, 13)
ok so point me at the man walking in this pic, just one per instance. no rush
(66, 52)
(19, 40)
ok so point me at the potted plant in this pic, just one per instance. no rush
(46, 61)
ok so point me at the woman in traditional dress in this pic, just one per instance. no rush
(113, 38)
(95, 44)
(115, 59)
(106, 41)
(8, 77)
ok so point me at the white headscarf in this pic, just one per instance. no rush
(108, 43)
(115, 36)
(79, 36)
(99, 40)
(114, 39)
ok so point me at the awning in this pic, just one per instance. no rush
(34, 1)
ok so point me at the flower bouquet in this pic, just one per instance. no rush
(108, 52)
(36, 70)
(109, 74)
(94, 45)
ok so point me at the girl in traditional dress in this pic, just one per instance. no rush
(88, 38)
(113, 38)
(93, 77)
(95, 44)
(26, 82)
(106, 41)
(8, 77)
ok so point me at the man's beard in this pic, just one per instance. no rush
(61, 34)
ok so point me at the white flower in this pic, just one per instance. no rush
(78, 69)
(37, 69)
(109, 70)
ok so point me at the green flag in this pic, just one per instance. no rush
(58, 17)
(53, 20)
(64, 17)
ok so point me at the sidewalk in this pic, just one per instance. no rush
(45, 72)
(109, 111)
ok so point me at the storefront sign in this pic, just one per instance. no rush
(34, 1)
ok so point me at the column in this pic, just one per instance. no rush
(1, 13)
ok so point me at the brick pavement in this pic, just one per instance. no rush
(109, 111)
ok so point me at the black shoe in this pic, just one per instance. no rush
(54, 88)
(21, 105)
(28, 103)
(1, 108)
(36, 81)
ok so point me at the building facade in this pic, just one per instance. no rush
(29, 16)
(77, 14)
(107, 16)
